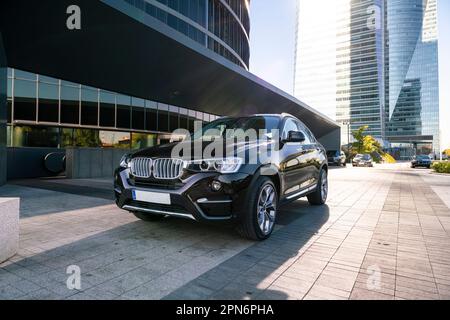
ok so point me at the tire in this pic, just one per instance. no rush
(259, 214)
(319, 197)
(148, 216)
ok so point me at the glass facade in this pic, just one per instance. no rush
(412, 102)
(374, 63)
(48, 112)
(223, 26)
(339, 62)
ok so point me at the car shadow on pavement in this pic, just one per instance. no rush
(174, 258)
(168, 254)
(37, 201)
(266, 270)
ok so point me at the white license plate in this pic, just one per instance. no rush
(151, 197)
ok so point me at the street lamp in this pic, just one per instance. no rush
(348, 123)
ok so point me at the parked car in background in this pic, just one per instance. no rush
(363, 160)
(421, 161)
(336, 158)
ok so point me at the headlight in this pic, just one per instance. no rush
(125, 161)
(227, 165)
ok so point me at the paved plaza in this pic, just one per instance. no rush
(384, 234)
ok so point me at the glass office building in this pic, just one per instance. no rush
(221, 25)
(339, 62)
(412, 101)
(374, 63)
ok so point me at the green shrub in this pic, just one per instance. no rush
(441, 167)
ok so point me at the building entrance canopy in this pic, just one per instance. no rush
(121, 49)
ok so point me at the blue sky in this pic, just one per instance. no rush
(272, 48)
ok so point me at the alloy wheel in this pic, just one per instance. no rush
(324, 186)
(266, 209)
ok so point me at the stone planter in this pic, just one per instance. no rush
(9, 228)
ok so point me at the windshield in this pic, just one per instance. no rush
(331, 153)
(423, 157)
(367, 157)
(358, 156)
(230, 128)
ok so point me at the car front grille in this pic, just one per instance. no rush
(168, 169)
(163, 169)
(141, 167)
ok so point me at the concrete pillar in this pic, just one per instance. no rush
(3, 111)
(9, 228)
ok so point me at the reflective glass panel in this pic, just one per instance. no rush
(48, 103)
(107, 109)
(25, 100)
(37, 137)
(89, 107)
(115, 139)
(123, 112)
(70, 104)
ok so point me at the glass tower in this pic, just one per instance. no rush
(412, 101)
(221, 25)
(374, 63)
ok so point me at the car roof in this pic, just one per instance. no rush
(277, 115)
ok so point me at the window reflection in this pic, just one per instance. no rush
(48, 103)
(143, 140)
(163, 117)
(151, 116)
(107, 109)
(89, 106)
(111, 139)
(123, 112)
(138, 114)
(86, 138)
(25, 100)
(70, 105)
(37, 137)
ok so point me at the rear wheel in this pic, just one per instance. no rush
(148, 216)
(319, 197)
(260, 212)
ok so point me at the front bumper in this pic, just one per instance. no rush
(421, 164)
(192, 199)
(334, 161)
(363, 164)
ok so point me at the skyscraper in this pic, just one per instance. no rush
(412, 99)
(372, 62)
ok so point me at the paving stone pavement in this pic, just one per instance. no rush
(384, 234)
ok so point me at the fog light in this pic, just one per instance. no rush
(216, 185)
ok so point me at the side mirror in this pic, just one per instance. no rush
(295, 137)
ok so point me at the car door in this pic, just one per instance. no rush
(294, 161)
(313, 154)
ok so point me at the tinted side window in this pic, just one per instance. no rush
(308, 134)
(289, 125)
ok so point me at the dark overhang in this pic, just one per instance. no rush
(139, 56)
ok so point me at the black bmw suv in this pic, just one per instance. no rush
(232, 175)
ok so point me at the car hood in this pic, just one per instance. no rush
(186, 150)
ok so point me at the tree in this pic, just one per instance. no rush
(366, 143)
(358, 135)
